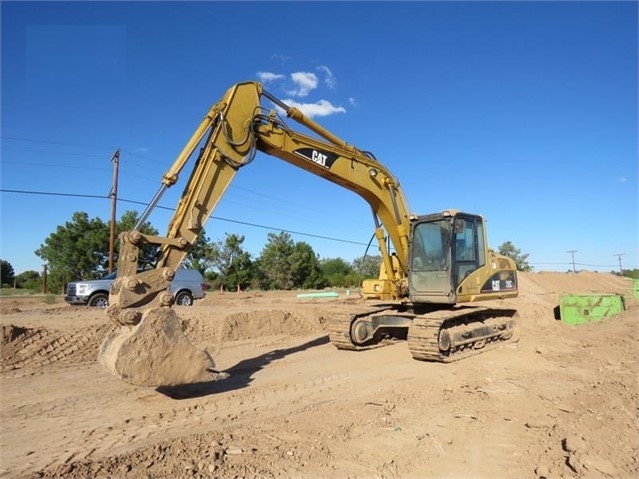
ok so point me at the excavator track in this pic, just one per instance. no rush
(339, 330)
(446, 336)
(442, 336)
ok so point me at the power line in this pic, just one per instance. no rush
(81, 145)
(127, 165)
(22, 163)
(272, 228)
(569, 264)
(46, 193)
(228, 220)
(51, 142)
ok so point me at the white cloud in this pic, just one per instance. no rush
(320, 108)
(352, 101)
(329, 79)
(269, 77)
(304, 83)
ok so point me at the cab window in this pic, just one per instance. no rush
(430, 247)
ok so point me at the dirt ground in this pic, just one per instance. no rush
(562, 402)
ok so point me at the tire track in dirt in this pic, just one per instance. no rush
(257, 419)
(229, 407)
(37, 347)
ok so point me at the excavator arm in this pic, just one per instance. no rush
(229, 136)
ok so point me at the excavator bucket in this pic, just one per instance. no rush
(155, 352)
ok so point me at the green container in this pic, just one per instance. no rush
(636, 289)
(586, 308)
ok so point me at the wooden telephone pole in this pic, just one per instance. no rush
(114, 200)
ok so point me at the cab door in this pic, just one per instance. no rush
(468, 253)
(429, 277)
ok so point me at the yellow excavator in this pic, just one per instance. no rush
(431, 264)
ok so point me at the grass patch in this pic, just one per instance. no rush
(16, 292)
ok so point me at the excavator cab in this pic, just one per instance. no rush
(450, 261)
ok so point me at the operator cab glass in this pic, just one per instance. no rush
(444, 251)
(468, 247)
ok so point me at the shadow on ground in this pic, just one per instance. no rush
(238, 376)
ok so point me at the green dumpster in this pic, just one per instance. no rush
(586, 308)
(636, 289)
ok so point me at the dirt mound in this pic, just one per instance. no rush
(552, 283)
(37, 347)
(249, 322)
(255, 324)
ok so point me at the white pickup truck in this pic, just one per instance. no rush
(187, 285)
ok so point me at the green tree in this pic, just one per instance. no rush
(307, 273)
(521, 260)
(233, 266)
(337, 272)
(275, 262)
(284, 264)
(7, 274)
(200, 255)
(79, 249)
(57, 280)
(29, 280)
(352, 280)
(367, 266)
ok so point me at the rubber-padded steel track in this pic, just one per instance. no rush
(473, 329)
(486, 327)
(339, 330)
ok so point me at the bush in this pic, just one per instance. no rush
(50, 299)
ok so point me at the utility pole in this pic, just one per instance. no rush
(572, 252)
(114, 201)
(619, 255)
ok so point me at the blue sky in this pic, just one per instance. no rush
(524, 112)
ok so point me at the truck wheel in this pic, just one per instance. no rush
(99, 300)
(184, 298)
